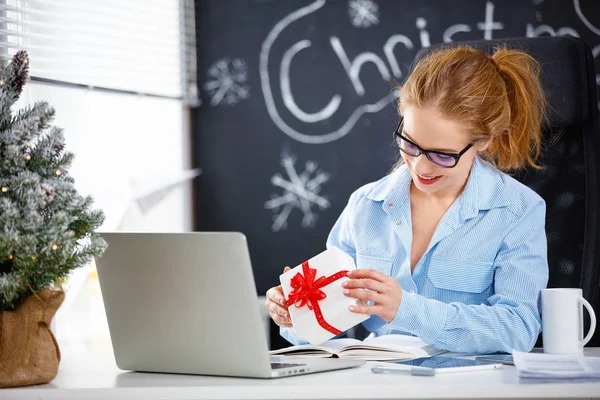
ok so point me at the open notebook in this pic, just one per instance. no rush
(381, 348)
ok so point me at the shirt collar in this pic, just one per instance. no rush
(397, 182)
(485, 189)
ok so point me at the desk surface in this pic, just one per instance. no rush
(84, 374)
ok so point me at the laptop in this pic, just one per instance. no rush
(187, 303)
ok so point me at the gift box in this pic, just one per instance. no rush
(315, 298)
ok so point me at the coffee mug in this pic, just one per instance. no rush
(562, 321)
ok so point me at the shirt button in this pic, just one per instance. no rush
(399, 223)
(412, 291)
(390, 205)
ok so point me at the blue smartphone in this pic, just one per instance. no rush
(434, 365)
(506, 359)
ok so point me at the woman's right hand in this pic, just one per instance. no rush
(277, 306)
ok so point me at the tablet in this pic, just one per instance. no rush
(435, 365)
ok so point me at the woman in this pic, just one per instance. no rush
(452, 249)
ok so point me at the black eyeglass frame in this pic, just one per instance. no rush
(455, 156)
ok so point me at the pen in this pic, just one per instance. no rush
(407, 371)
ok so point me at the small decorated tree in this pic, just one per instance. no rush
(46, 230)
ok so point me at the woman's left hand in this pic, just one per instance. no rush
(383, 290)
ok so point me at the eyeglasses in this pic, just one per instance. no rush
(439, 158)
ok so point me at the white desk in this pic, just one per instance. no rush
(85, 374)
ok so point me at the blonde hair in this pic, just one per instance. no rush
(497, 98)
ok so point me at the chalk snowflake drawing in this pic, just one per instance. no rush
(227, 82)
(363, 13)
(300, 191)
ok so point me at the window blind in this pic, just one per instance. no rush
(140, 46)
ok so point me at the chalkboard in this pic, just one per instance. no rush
(298, 103)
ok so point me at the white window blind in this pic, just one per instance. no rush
(141, 46)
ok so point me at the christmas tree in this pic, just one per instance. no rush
(46, 227)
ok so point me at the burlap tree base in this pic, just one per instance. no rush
(29, 353)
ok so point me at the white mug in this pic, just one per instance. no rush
(562, 321)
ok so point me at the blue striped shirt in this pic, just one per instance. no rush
(476, 289)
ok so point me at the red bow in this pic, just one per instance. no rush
(306, 291)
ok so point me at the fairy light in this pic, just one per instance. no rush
(54, 246)
(10, 257)
(57, 172)
(4, 189)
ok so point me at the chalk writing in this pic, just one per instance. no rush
(227, 82)
(363, 13)
(387, 66)
(300, 191)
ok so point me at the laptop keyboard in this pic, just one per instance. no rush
(276, 365)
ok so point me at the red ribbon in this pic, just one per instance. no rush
(306, 292)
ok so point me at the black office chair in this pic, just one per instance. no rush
(570, 180)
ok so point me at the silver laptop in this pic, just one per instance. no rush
(187, 303)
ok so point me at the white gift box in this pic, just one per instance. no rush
(334, 307)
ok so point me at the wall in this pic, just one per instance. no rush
(299, 103)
